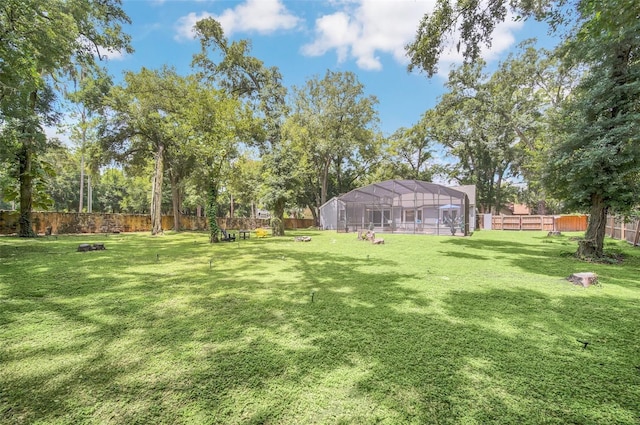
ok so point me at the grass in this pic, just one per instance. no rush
(437, 330)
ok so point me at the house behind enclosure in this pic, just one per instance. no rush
(402, 206)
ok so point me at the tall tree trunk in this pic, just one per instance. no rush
(212, 213)
(324, 189)
(83, 141)
(338, 163)
(318, 205)
(175, 201)
(89, 194)
(26, 192)
(315, 214)
(593, 244)
(156, 192)
(25, 158)
(277, 222)
(80, 206)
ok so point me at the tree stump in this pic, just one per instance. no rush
(585, 279)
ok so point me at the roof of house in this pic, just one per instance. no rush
(470, 190)
(394, 188)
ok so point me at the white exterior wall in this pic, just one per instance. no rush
(329, 215)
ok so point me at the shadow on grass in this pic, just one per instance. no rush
(548, 256)
(537, 355)
(140, 340)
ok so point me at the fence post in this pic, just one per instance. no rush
(637, 237)
(613, 227)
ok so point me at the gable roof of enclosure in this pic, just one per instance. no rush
(399, 192)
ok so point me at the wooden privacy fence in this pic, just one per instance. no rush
(547, 223)
(628, 230)
(63, 223)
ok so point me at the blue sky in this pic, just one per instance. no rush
(304, 38)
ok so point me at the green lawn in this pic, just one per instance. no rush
(422, 330)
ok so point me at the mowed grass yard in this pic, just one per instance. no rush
(420, 330)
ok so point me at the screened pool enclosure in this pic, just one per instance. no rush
(401, 206)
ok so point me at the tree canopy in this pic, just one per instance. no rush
(41, 41)
(595, 163)
(593, 157)
(333, 129)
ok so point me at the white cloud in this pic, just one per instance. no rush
(358, 30)
(185, 25)
(336, 31)
(262, 16)
(364, 29)
(111, 54)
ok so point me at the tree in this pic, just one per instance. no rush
(597, 154)
(280, 182)
(112, 190)
(23, 136)
(62, 184)
(136, 199)
(536, 83)
(143, 119)
(90, 86)
(475, 128)
(595, 163)
(8, 188)
(244, 183)
(245, 77)
(473, 22)
(215, 123)
(40, 38)
(410, 150)
(333, 127)
(179, 154)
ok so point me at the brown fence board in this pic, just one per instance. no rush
(547, 223)
(65, 223)
(620, 228)
(571, 223)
